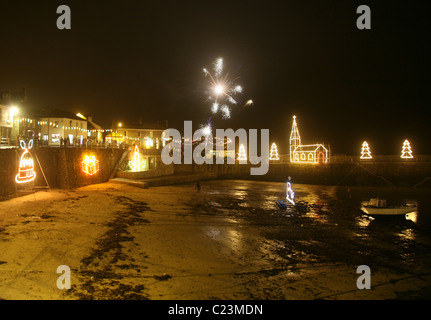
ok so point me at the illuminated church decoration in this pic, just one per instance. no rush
(90, 165)
(309, 153)
(26, 171)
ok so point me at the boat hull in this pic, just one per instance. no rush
(388, 211)
(281, 204)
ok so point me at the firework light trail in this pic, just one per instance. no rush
(222, 90)
(206, 130)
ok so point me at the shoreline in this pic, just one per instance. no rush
(170, 242)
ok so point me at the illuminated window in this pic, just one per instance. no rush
(302, 156)
(310, 157)
(149, 142)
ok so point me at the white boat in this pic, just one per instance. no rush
(378, 206)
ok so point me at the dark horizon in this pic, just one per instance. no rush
(128, 60)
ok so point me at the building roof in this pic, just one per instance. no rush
(38, 113)
(309, 147)
(144, 126)
(93, 126)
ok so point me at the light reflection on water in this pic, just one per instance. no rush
(331, 227)
(407, 234)
(323, 202)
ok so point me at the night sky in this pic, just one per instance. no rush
(126, 59)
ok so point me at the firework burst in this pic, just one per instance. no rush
(222, 89)
(206, 131)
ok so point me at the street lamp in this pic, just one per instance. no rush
(13, 111)
(118, 137)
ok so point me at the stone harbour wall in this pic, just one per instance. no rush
(62, 168)
(391, 174)
(57, 167)
(8, 170)
(160, 169)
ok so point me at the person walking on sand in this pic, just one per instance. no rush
(198, 186)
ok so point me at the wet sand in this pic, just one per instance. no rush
(227, 241)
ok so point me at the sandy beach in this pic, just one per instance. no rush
(172, 242)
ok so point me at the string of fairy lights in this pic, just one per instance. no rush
(365, 150)
(54, 125)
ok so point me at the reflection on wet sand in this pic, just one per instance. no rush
(228, 241)
(330, 226)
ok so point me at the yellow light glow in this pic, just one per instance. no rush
(81, 116)
(26, 168)
(241, 154)
(406, 152)
(219, 89)
(137, 164)
(26, 171)
(274, 153)
(311, 153)
(366, 152)
(149, 142)
(90, 165)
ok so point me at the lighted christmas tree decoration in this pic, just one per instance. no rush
(137, 164)
(26, 171)
(241, 154)
(406, 152)
(366, 152)
(90, 165)
(274, 153)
